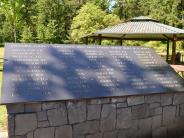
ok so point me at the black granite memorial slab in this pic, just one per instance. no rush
(48, 72)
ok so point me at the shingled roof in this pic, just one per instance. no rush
(140, 28)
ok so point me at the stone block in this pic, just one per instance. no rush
(30, 135)
(63, 132)
(178, 98)
(94, 101)
(33, 107)
(166, 99)
(144, 126)
(43, 124)
(127, 133)
(177, 110)
(44, 132)
(87, 127)
(98, 135)
(152, 98)
(57, 117)
(42, 116)
(156, 121)
(181, 112)
(121, 105)
(76, 111)
(21, 125)
(50, 105)
(140, 111)
(15, 108)
(105, 100)
(124, 120)
(11, 125)
(78, 136)
(118, 100)
(93, 112)
(159, 133)
(135, 100)
(108, 117)
(169, 114)
(112, 134)
(155, 111)
(154, 105)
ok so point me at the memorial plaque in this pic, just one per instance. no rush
(40, 72)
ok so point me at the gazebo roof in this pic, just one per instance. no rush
(140, 28)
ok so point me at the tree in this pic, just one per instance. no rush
(11, 9)
(165, 11)
(126, 9)
(89, 19)
(61, 11)
(103, 4)
(27, 35)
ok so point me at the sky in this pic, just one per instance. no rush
(112, 3)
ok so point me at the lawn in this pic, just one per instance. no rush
(3, 114)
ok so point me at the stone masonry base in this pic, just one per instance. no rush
(147, 116)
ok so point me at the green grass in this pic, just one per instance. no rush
(3, 119)
(3, 113)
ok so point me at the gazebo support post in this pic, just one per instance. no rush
(100, 39)
(167, 56)
(174, 50)
(86, 40)
(121, 42)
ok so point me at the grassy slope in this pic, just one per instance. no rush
(3, 114)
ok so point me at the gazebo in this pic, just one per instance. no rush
(141, 29)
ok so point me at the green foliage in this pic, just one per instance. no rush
(88, 21)
(103, 4)
(50, 31)
(40, 30)
(65, 21)
(29, 13)
(110, 20)
(166, 11)
(59, 11)
(7, 32)
(11, 9)
(46, 33)
(27, 35)
(127, 8)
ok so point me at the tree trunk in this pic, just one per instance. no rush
(14, 32)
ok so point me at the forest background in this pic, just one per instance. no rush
(66, 21)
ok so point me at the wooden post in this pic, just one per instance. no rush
(167, 56)
(86, 40)
(174, 50)
(100, 39)
(121, 42)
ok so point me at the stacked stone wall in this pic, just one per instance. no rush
(146, 116)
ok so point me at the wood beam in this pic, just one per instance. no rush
(167, 56)
(166, 36)
(137, 39)
(173, 59)
(86, 40)
(99, 39)
(121, 42)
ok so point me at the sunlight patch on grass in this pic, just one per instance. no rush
(3, 112)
